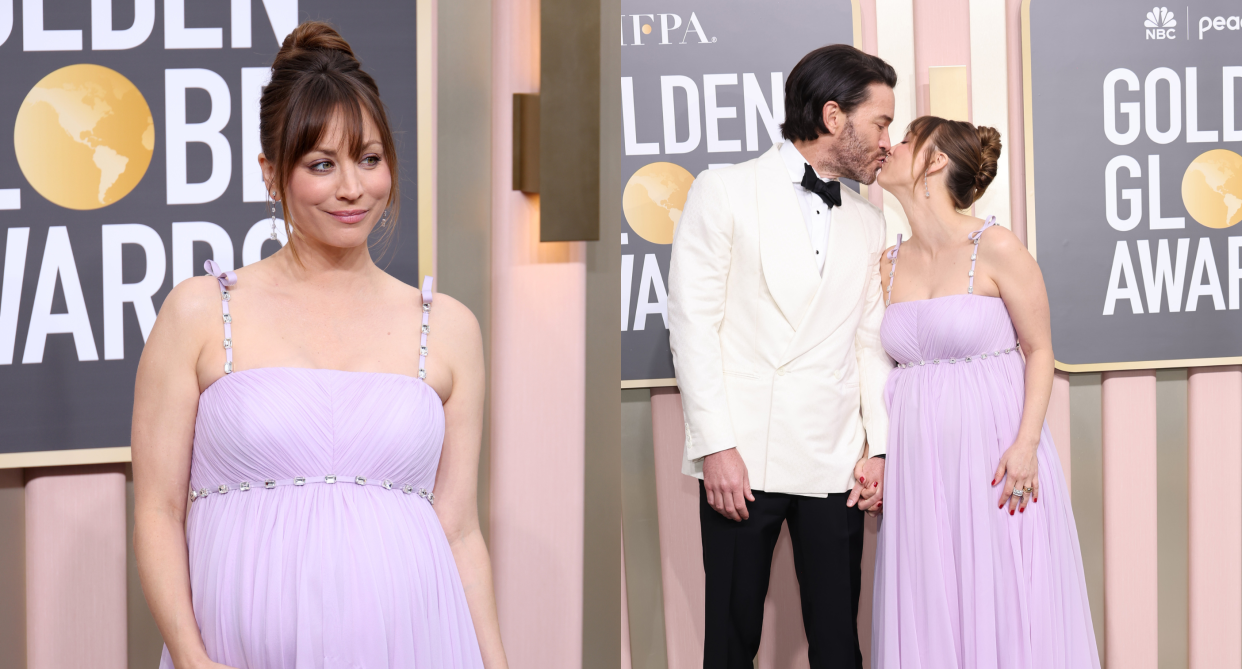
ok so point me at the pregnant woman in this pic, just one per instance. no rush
(306, 430)
(977, 564)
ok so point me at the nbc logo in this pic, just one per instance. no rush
(1160, 23)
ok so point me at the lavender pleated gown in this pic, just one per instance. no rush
(350, 574)
(959, 583)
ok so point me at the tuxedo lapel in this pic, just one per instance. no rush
(839, 290)
(784, 246)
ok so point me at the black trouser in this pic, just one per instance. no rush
(737, 559)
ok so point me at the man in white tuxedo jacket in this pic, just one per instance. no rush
(774, 310)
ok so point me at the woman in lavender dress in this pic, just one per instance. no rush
(978, 565)
(296, 421)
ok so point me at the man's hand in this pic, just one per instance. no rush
(727, 484)
(868, 492)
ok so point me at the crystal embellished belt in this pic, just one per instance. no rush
(299, 481)
(951, 361)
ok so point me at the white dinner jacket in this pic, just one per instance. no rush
(772, 358)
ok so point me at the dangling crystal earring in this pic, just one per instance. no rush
(926, 191)
(271, 204)
(383, 222)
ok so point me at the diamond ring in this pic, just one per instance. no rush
(1017, 492)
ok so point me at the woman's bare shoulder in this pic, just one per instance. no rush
(454, 317)
(189, 315)
(192, 303)
(1002, 243)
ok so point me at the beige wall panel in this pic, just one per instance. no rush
(895, 39)
(950, 92)
(989, 97)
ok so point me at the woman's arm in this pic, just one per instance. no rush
(1021, 286)
(460, 343)
(165, 405)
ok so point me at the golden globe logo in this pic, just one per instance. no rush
(652, 201)
(654, 198)
(84, 136)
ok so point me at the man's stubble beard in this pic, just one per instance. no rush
(851, 159)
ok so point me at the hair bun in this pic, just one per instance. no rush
(310, 39)
(990, 151)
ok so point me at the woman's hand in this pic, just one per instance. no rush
(1018, 468)
(868, 492)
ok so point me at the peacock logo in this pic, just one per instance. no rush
(1160, 23)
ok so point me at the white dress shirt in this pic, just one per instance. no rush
(815, 212)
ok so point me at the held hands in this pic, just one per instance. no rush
(868, 492)
(727, 484)
(1018, 469)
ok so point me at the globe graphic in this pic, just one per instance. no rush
(84, 136)
(654, 198)
(1212, 188)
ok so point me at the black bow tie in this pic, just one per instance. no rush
(828, 191)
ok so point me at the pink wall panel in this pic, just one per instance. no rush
(75, 567)
(1130, 574)
(537, 388)
(1215, 442)
(941, 38)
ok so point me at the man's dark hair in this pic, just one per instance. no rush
(834, 73)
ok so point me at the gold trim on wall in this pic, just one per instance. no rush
(1147, 364)
(425, 70)
(648, 383)
(77, 456)
(856, 10)
(1029, 128)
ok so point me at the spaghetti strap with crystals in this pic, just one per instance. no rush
(426, 329)
(974, 253)
(226, 280)
(892, 256)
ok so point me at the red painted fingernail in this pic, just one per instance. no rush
(1011, 512)
(993, 481)
(1022, 509)
(875, 485)
(862, 479)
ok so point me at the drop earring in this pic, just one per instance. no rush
(383, 222)
(926, 190)
(271, 204)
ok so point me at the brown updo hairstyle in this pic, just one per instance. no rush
(972, 152)
(315, 77)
